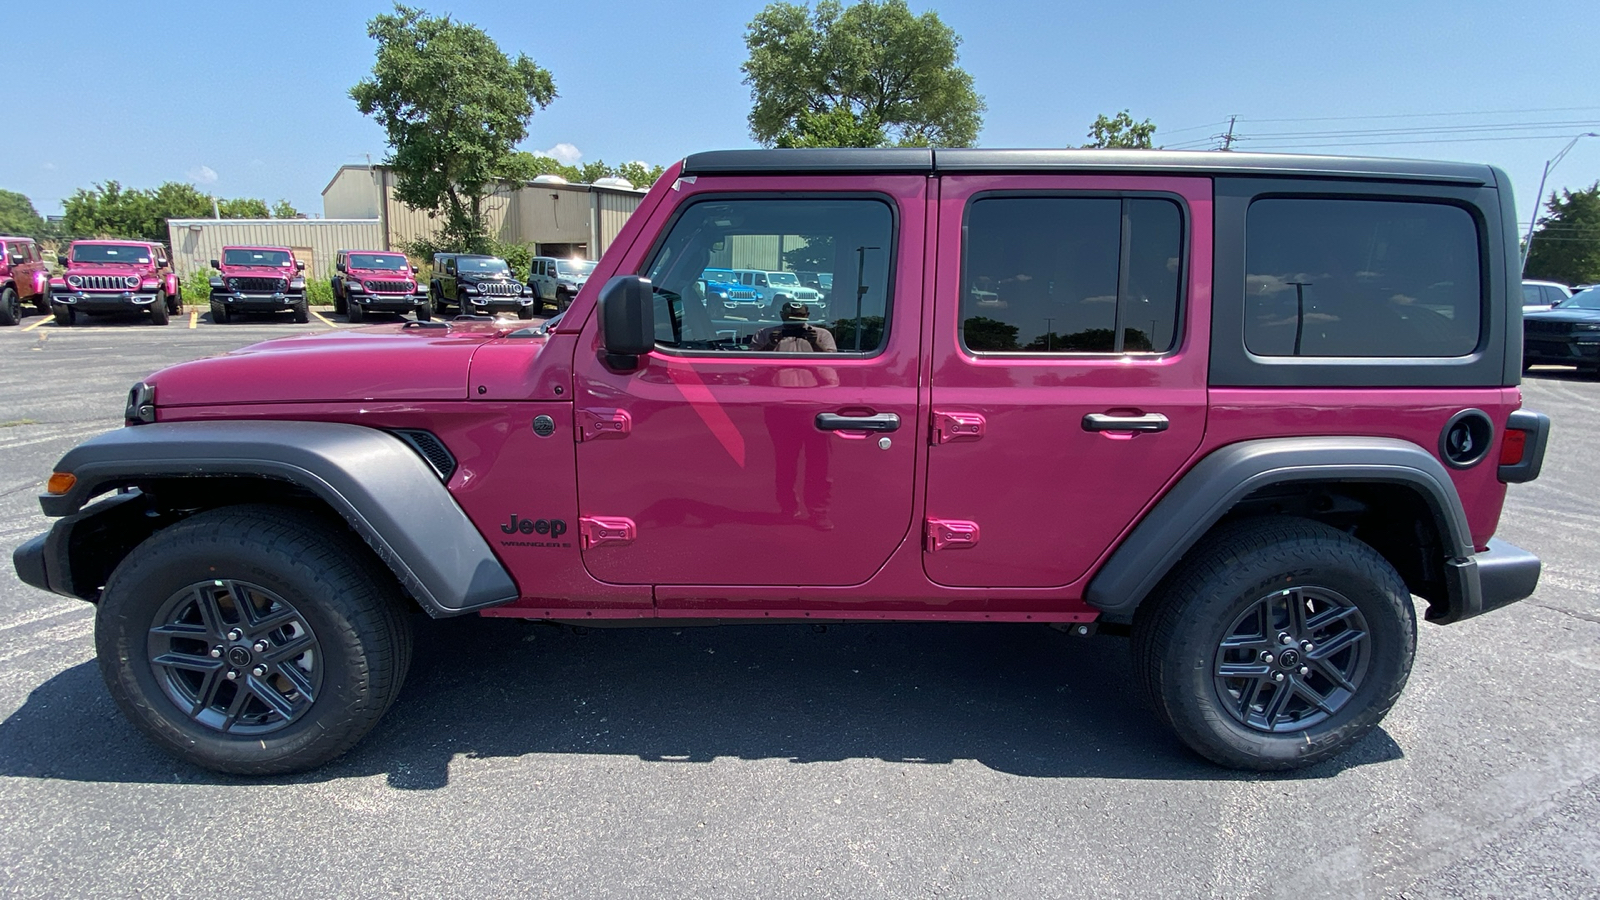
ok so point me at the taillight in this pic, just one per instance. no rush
(1512, 447)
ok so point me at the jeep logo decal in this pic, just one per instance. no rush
(552, 527)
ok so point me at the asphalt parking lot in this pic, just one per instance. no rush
(777, 761)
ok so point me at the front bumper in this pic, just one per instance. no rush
(1558, 350)
(1488, 580)
(104, 301)
(387, 302)
(476, 302)
(249, 302)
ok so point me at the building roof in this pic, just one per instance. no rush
(572, 185)
(928, 161)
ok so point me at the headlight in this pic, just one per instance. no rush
(130, 281)
(75, 280)
(233, 284)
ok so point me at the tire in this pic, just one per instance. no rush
(354, 313)
(63, 315)
(424, 314)
(302, 312)
(175, 302)
(563, 300)
(1242, 585)
(437, 298)
(325, 596)
(525, 312)
(338, 297)
(10, 307)
(219, 314)
(158, 310)
(41, 302)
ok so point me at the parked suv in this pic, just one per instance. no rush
(1538, 296)
(1172, 396)
(774, 289)
(258, 280)
(24, 278)
(367, 281)
(102, 276)
(556, 281)
(473, 283)
(1566, 335)
(723, 286)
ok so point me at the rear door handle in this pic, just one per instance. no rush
(1104, 422)
(879, 422)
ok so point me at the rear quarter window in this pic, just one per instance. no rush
(1361, 278)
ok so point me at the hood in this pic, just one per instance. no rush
(259, 271)
(379, 363)
(383, 274)
(1563, 314)
(107, 268)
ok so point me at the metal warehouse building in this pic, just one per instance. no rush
(552, 217)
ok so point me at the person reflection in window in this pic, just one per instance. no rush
(795, 335)
(793, 432)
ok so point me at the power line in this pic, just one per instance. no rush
(1294, 145)
(1427, 115)
(1438, 129)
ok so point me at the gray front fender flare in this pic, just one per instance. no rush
(384, 490)
(1209, 490)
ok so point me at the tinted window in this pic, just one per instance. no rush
(1533, 295)
(110, 253)
(1071, 275)
(850, 236)
(1552, 295)
(1361, 278)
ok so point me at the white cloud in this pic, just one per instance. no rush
(566, 154)
(49, 167)
(203, 175)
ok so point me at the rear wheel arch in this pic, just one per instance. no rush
(1390, 494)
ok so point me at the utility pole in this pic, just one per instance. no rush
(1228, 139)
(1538, 196)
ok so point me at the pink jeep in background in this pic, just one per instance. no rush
(24, 278)
(258, 280)
(1241, 408)
(105, 276)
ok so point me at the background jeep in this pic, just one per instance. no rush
(258, 280)
(774, 289)
(366, 281)
(557, 281)
(24, 278)
(1174, 397)
(104, 276)
(474, 283)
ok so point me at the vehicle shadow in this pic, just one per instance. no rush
(1020, 699)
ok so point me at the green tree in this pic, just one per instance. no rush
(875, 60)
(838, 127)
(640, 175)
(109, 210)
(283, 209)
(17, 215)
(1122, 132)
(453, 106)
(1566, 243)
(242, 208)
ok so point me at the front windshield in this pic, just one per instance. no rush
(719, 276)
(255, 257)
(487, 264)
(390, 262)
(110, 253)
(1589, 299)
(782, 278)
(574, 267)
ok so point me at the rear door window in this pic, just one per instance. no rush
(1361, 278)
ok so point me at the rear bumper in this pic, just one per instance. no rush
(1496, 577)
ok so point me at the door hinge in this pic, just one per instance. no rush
(594, 530)
(594, 424)
(951, 534)
(949, 427)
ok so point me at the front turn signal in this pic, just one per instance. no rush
(61, 482)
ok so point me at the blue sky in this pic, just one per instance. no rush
(250, 99)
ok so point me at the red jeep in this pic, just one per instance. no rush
(24, 278)
(1240, 407)
(258, 280)
(103, 276)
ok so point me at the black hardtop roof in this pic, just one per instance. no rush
(923, 160)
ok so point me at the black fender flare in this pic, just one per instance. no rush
(387, 493)
(1219, 481)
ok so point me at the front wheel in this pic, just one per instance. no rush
(1277, 644)
(524, 312)
(10, 307)
(63, 315)
(255, 640)
(302, 312)
(424, 314)
(354, 313)
(158, 310)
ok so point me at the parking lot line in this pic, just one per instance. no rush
(194, 317)
(324, 319)
(37, 324)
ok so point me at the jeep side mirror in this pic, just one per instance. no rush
(414, 270)
(627, 320)
(340, 267)
(215, 264)
(299, 265)
(61, 259)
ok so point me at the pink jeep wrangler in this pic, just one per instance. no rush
(103, 276)
(1240, 407)
(258, 280)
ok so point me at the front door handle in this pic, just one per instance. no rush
(880, 422)
(1105, 422)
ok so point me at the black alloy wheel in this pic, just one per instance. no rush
(1292, 659)
(235, 657)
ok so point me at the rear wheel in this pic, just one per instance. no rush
(158, 310)
(255, 640)
(1277, 644)
(10, 307)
